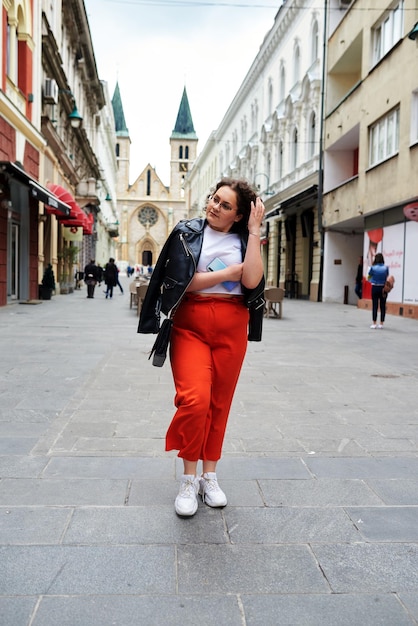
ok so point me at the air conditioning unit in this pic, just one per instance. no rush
(50, 91)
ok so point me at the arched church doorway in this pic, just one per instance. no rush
(146, 257)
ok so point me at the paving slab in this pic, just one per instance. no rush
(286, 525)
(63, 492)
(33, 525)
(247, 568)
(319, 492)
(144, 526)
(86, 570)
(182, 610)
(369, 568)
(17, 611)
(392, 524)
(325, 610)
(396, 491)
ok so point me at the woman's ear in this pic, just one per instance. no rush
(238, 218)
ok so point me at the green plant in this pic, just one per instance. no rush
(68, 256)
(48, 280)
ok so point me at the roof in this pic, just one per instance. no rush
(184, 128)
(120, 124)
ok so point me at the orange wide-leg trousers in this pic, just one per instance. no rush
(208, 345)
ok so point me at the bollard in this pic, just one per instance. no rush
(345, 294)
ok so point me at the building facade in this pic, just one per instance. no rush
(371, 151)
(270, 136)
(55, 156)
(77, 123)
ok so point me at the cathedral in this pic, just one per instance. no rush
(148, 210)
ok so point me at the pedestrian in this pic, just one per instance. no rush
(100, 271)
(359, 279)
(209, 279)
(118, 282)
(110, 275)
(91, 277)
(377, 275)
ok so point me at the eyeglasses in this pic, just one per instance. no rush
(217, 201)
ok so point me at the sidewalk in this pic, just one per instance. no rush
(320, 468)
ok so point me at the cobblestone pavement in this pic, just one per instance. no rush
(320, 468)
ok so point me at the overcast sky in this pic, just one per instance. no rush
(154, 48)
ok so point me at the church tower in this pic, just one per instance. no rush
(123, 143)
(183, 143)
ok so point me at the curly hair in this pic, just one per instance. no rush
(245, 195)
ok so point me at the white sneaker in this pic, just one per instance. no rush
(210, 491)
(380, 326)
(186, 502)
(373, 326)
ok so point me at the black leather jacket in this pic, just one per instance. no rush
(174, 271)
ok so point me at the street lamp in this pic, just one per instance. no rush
(266, 192)
(74, 117)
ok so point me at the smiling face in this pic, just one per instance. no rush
(221, 210)
(411, 211)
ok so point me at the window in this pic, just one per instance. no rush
(282, 83)
(148, 216)
(294, 152)
(296, 64)
(315, 42)
(279, 160)
(180, 152)
(186, 150)
(270, 97)
(148, 182)
(312, 130)
(388, 32)
(384, 138)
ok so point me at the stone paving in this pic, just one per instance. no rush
(320, 468)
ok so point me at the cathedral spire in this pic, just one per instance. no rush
(120, 124)
(184, 124)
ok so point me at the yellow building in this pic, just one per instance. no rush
(370, 201)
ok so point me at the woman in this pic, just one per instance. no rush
(377, 276)
(211, 274)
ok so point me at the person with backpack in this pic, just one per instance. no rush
(377, 275)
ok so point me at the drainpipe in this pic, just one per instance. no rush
(321, 154)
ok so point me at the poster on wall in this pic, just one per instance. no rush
(72, 233)
(372, 245)
(410, 293)
(393, 253)
(390, 242)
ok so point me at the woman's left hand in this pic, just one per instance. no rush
(256, 215)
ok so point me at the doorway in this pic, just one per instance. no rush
(13, 262)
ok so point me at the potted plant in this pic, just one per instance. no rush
(68, 256)
(48, 283)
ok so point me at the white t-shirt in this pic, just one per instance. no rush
(226, 247)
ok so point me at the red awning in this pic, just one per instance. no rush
(77, 216)
(63, 195)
